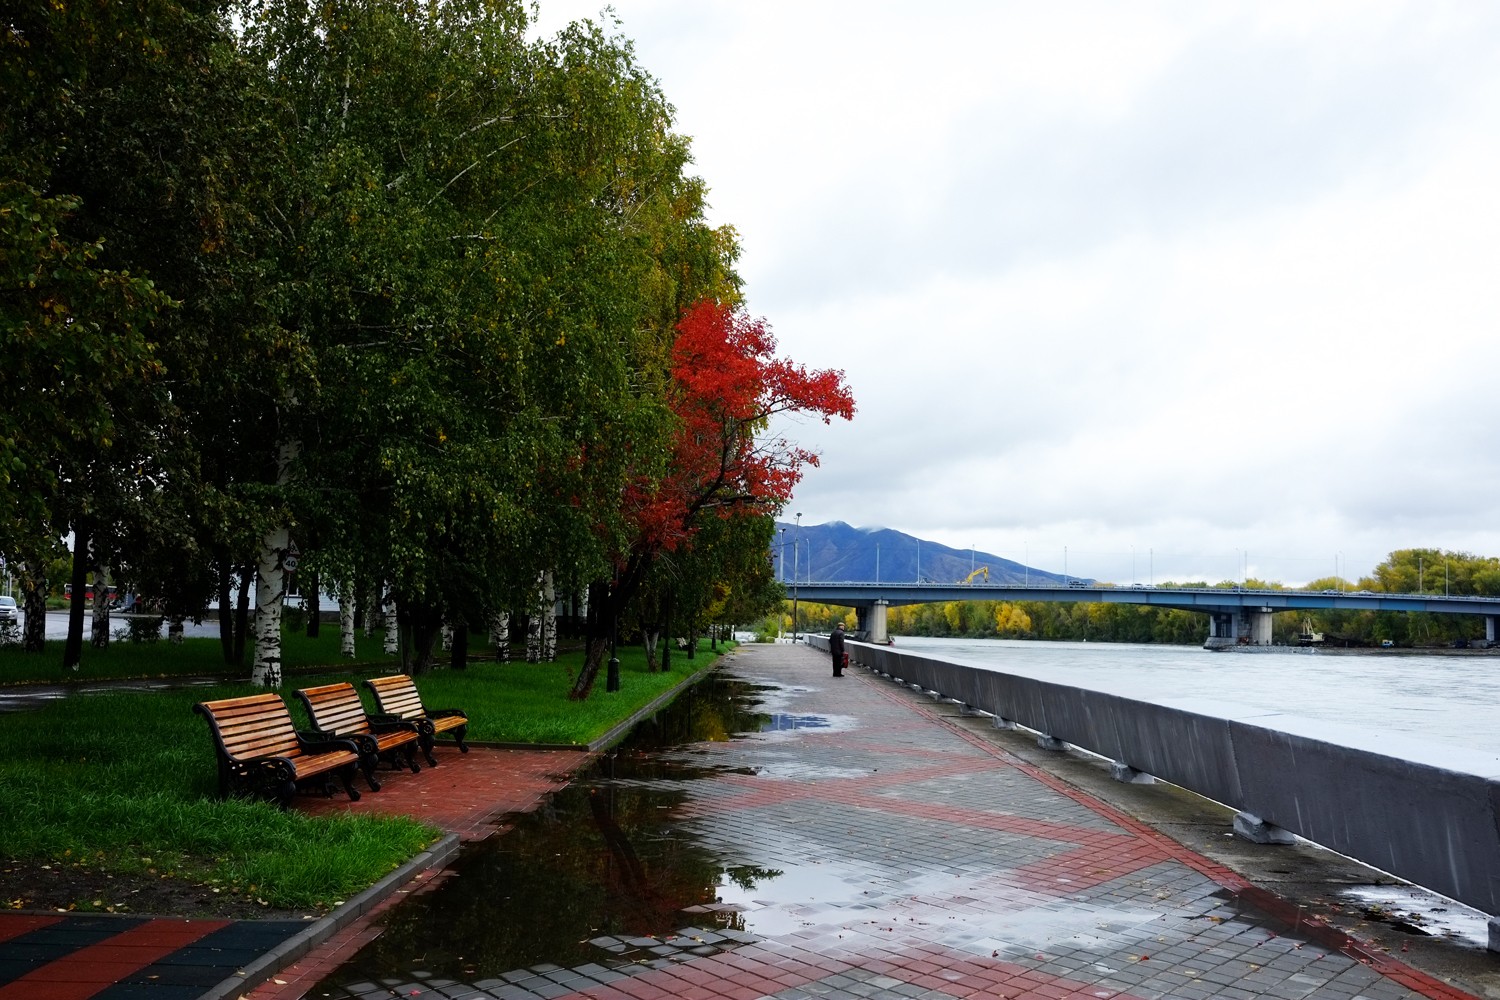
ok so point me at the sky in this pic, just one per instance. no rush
(1167, 291)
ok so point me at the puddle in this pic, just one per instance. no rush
(600, 874)
(781, 721)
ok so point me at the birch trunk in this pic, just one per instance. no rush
(177, 629)
(270, 588)
(372, 600)
(500, 636)
(100, 632)
(649, 636)
(346, 622)
(534, 637)
(447, 634)
(549, 618)
(392, 625)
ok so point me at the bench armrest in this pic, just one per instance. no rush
(364, 741)
(390, 724)
(422, 725)
(313, 741)
(444, 713)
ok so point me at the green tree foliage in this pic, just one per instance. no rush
(399, 278)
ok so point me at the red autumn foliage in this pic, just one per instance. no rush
(728, 384)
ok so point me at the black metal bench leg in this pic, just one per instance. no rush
(425, 742)
(346, 775)
(458, 737)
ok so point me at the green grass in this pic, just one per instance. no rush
(78, 785)
(125, 782)
(198, 656)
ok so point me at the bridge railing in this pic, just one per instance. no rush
(1425, 813)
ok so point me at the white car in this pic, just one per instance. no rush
(8, 610)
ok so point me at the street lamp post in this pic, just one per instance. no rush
(795, 539)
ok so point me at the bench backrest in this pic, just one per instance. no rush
(397, 695)
(335, 708)
(257, 725)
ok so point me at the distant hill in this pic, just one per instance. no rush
(842, 553)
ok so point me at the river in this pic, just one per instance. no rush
(1448, 700)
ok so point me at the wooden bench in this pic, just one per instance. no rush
(261, 753)
(337, 713)
(397, 698)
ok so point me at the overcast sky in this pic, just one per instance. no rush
(1186, 289)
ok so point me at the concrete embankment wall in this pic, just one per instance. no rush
(1425, 813)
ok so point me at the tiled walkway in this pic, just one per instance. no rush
(924, 861)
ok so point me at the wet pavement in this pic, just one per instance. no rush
(848, 838)
(782, 833)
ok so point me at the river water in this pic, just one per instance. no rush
(1437, 699)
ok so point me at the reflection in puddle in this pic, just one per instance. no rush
(783, 721)
(601, 873)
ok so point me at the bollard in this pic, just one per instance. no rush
(612, 678)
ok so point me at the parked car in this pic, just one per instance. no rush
(8, 610)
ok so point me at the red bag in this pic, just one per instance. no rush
(846, 661)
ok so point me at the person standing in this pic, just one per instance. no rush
(836, 647)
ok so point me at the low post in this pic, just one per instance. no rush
(612, 677)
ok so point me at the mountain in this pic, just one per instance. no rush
(839, 553)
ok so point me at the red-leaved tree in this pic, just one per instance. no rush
(726, 385)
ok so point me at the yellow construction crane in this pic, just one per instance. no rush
(970, 578)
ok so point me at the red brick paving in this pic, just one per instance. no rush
(465, 794)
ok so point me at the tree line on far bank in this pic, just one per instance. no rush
(397, 297)
(1405, 571)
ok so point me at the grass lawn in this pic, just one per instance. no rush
(196, 656)
(123, 784)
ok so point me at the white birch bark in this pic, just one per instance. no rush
(346, 621)
(270, 588)
(534, 628)
(549, 618)
(500, 635)
(176, 630)
(392, 625)
(370, 612)
(100, 635)
(447, 634)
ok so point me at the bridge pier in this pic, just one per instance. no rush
(1489, 630)
(872, 621)
(1221, 631)
(1238, 627)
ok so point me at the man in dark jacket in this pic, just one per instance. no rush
(836, 647)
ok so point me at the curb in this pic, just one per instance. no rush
(620, 731)
(264, 967)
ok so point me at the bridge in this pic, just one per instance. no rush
(1237, 616)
